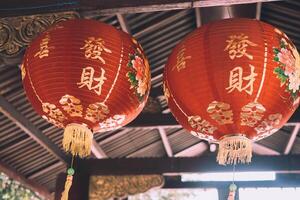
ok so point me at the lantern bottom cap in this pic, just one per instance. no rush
(77, 140)
(234, 149)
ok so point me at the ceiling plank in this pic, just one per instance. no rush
(109, 7)
(98, 151)
(292, 139)
(192, 151)
(37, 188)
(263, 150)
(165, 140)
(15, 116)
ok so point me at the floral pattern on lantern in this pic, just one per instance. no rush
(288, 70)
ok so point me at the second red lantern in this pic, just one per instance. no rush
(231, 82)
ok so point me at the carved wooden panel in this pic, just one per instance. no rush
(106, 187)
(17, 32)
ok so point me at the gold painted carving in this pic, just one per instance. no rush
(252, 113)
(17, 32)
(107, 187)
(201, 125)
(220, 112)
(23, 71)
(71, 105)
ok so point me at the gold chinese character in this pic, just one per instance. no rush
(220, 112)
(181, 59)
(44, 48)
(236, 80)
(237, 46)
(91, 82)
(93, 48)
(71, 105)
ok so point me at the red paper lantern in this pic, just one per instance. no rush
(233, 81)
(85, 76)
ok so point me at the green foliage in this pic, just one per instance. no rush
(280, 74)
(13, 190)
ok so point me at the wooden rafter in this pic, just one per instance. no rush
(15, 116)
(165, 141)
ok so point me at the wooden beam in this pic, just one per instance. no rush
(198, 17)
(37, 188)
(292, 139)
(165, 140)
(123, 23)
(109, 7)
(258, 10)
(10, 112)
(122, 166)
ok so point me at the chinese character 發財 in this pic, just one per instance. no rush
(236, 80)
(44, 48)
(237, 46)
(181, 59)
(93, 48)
(91, 82)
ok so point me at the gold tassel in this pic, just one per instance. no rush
(77, 140)
(234, 149)
(68, 184)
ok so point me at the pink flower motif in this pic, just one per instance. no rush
(286, 57)
(139, 66)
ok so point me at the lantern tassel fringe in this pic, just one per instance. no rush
(77, 140)
(234, 149)
(68, 184)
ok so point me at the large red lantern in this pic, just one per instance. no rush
(85, 76)
(233, 82)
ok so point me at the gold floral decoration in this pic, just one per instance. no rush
(112, 122)
(166, 92)
(252, 113)
(267, 126)
(220, 112)
(96, 112)
(201, 125)
(71, 105)
(108, 187)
